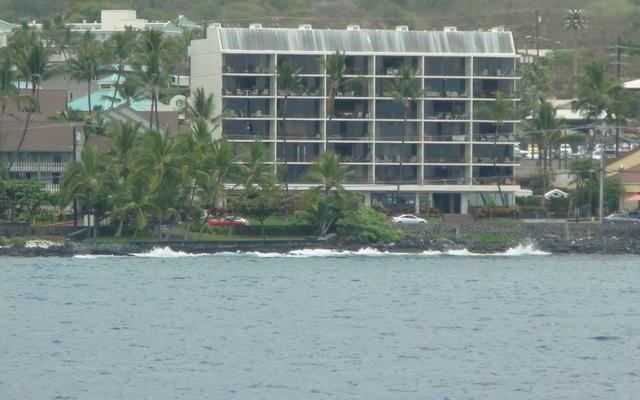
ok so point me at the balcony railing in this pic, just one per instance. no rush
(489, 160)
(39, 167)
(396, 159)
(247, 92)
(445, 160)
(253, 114)
(247, 70)
(495, 72)
(448, 116)
(490, 138)
(52, 187)
(446, 138)
(446, 93)
(352, 115)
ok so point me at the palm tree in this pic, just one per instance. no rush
(33, 105)
(119, 48)
(149, 69)
(575, 20)
(33, 63)
(124, 137)
(596, 94)
(86, 66)
(129, 90)
(335, 68)
(330, 172)
(256, 174)
(404, 89)
(132, 200)
(546, 128)
(83, 180)
(500, 109)
(8, 89)
(158, 160)
(289, 82)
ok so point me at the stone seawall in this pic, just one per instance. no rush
(552, 237)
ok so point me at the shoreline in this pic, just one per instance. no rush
(477, 238)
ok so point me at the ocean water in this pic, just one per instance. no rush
(320, 325)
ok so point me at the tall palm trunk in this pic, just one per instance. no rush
(89, 95)
(157, 114)
(284, 135)
(404, 135)
(115, 88)
(22, 138)
(495, 165)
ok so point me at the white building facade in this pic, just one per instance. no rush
(450, 154)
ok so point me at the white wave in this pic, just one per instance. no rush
(94, 256)
(528, 250)
(166, 252)
(41, 244)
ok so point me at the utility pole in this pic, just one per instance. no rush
(75, 158)
(602, 177)
(618, 63)
(538, 21)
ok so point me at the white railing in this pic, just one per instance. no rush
(26, 166)
(52, 187)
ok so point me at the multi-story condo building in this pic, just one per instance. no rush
(450, 153)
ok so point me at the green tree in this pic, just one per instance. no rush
(86, 66)
(366, 225)
(289, 82)
(330, 172)
(26, 199)
(546, 130)
(597, 94)
(32, 61)
(255, 173)
(118, 50)
(575, 20)
(405, 90)
(149, 69)
(83, 180)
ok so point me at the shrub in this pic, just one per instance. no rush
(3, 241)
(497, 212)
(366, 225)
(18, 241)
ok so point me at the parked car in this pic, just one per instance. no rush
(408, 219)
(621, 218)
(229, 220)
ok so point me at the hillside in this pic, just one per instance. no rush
(607, 19)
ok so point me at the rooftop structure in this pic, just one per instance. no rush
(449, 153)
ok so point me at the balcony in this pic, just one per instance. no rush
(487, 153)
(445, 110)
(445, 175)
(494, 67)
(298, 129)
(351, 152)
(397, 131)
(492, 138)
(445, 66)
(348, 130)
(391, 65)
(298, 152)
(397, 153)
(246, 130)
(300, 108)
(245, 86)
(358, 174)
(247, 64)
(247, 108)
(391, 174)
(306, 65)
(26, 166)
(446, 132)
(356, 65)
(446, 88)
(389, 109)
(445, 154)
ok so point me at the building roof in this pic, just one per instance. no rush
(42, 136)
(102, 98)
(365, 40)
(186, 23)
(629, 176)
(632, 85)
(6, 26)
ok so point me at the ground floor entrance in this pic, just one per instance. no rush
(447, 203)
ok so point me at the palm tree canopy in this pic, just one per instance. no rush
(405, 87)
(575, 20)
(289, 79)
(83, 178)
(202, 105)
(596, 92)
(87, 64)
(124, 136)
(329, 171)
(256, 173)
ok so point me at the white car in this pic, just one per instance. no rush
(408, 219)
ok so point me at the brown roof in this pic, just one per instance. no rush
(42, 136)
(630, 176)
(51, 101)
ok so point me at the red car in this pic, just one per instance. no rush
(229, 220)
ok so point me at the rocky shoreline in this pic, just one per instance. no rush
(475, 238)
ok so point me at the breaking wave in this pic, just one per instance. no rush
(166, 252)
